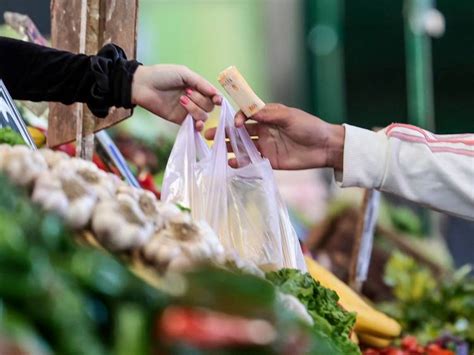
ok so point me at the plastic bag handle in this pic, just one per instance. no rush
(190, 147)
(244, 149)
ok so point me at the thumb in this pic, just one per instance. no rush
(276, 114)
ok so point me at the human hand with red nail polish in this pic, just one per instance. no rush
(172, 91)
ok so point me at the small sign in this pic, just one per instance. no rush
(10, 117)
(114, 155)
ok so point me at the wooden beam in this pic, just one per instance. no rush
(116, 24)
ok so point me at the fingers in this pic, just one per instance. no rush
(276, 114)
(210, 133)
(194, 110)
(233, 163)
(204, 102)
(197, 82)
(199, 126)
(217, 100)
(239, 119)
(252, 129)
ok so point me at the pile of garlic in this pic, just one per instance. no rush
(122, 218)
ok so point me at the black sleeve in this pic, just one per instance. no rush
(37, 73)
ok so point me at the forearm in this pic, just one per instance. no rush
(37, 73)
(436, 171)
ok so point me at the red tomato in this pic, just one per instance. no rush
(409, 343)
(371, 351)
(395, 351)
(435, 349)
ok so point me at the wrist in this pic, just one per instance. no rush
(137, 81)
(335, 147)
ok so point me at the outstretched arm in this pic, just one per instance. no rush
(436, 171)
(37, 73)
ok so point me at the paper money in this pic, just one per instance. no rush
(240, 91)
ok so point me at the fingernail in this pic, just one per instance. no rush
(189, 92)
(184, 100)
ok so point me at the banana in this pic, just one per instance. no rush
(368, 320)
(374, 341)
(38, 137)
(377, 324)
(354, 338)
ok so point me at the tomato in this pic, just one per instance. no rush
(409, 343)
(371, 351)
(435, 349)
(395, 351)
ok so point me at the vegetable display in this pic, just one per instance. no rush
(122, 218)
(321, 304)
(132, 223)
(10, 137)
(58, 297)
(429, 307)
(370, 323)
(279, 312)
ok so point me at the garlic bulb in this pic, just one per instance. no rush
(22, 165)
(67, 194)
(49, 194)
(53, 157)
(120, 225)
(5, 149)
(182, 245)
(99, 181)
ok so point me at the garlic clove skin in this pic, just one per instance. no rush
(5, 150)
(99, 181)
(167, 252)
(23, 166)
(80, 211)
(181, 263)
(48, 193)
(53, 157)
(148, 204)
(106, 225)
(131, 208)
(131, 191)
(168, 210)
(118, 224)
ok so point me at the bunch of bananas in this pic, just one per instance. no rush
(372, 327)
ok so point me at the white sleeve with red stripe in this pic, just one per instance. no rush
(433, 170)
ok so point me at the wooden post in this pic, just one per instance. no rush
(84, 26)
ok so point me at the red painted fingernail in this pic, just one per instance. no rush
(189, 92)
(184, 100)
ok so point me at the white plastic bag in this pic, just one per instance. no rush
(242, 205)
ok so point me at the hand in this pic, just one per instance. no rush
(293, 139)
(171, 91)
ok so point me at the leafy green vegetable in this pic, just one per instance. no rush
(11, 137)
(321, 303)
(426, 306)
(405, 220)
(67, 295)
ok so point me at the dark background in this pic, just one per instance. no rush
(375, 61)
(38, 10)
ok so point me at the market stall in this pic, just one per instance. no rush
(92, 259)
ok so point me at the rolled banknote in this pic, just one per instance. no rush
(237, 87)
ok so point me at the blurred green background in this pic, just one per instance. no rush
(351, 69)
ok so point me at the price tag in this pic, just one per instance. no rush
(10, 117)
